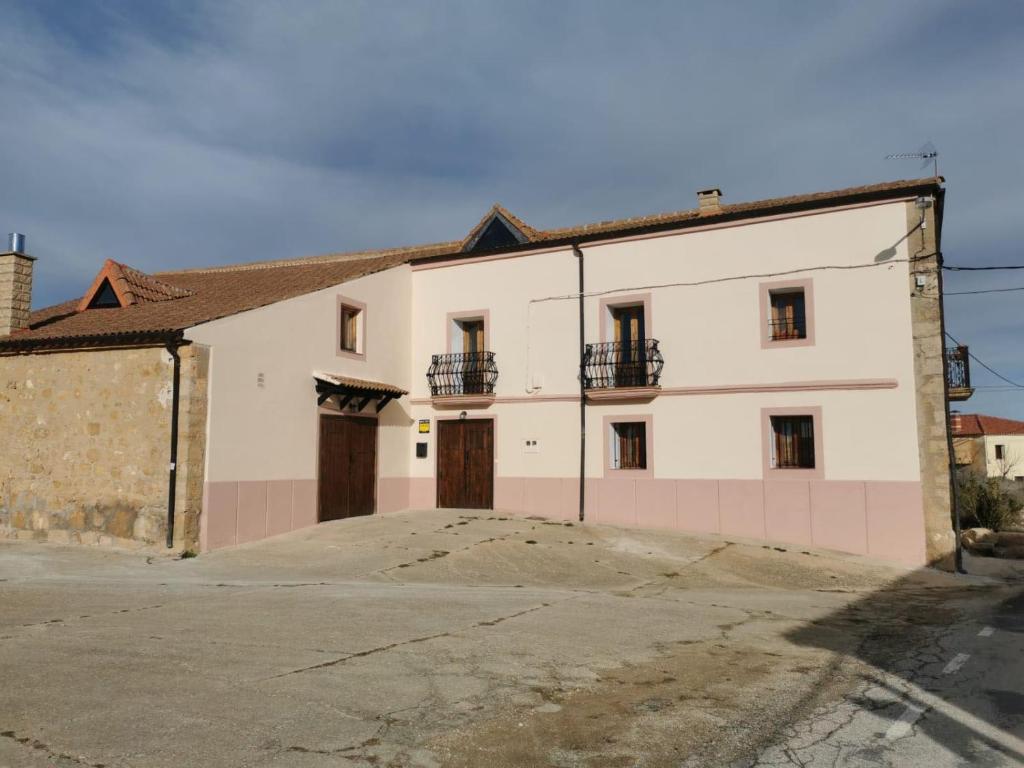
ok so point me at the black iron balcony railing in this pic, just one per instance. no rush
(462, 373)
(622, 364)
(958, 368)
(782, 330)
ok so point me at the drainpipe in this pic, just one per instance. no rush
(172, 476)
(583, 390)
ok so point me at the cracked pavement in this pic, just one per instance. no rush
(449, 638)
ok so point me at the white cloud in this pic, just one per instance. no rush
(225, 131)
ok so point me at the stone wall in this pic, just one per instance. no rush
(85, 445)
(15, 291)
(930, 382)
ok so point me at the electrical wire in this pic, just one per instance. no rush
(991, 370)
(988, 290)
(952, 268)
(733, 278)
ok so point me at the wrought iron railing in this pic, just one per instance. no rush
(462, 373)
(958, 368)
(781, 330)
(622, 364)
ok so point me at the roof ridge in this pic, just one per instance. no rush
(298, 261)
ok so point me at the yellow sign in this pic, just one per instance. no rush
(424, 426)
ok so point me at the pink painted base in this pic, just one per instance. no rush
(880, 519)
(240, 512)
(884, 520)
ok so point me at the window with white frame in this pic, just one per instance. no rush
(628, 441)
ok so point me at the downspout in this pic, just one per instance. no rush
(172, 476)
(958, 547)
(583, 390)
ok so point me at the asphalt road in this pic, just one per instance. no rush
(448, 639)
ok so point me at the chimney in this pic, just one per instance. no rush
(956, 421)
(710, 201)
(15, 285)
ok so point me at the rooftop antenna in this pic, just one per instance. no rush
(927, 153)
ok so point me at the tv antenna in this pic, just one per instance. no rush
(927, 154)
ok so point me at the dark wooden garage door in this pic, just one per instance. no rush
(465, 464)
(348, 466)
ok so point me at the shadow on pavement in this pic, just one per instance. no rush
(922, 627)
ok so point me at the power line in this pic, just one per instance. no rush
(994, 372)
(733, 278)
(952, 268)
(989, 290)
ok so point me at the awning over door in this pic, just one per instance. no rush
(359, 391)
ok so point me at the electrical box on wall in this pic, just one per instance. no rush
(421, 450)
(531, 446)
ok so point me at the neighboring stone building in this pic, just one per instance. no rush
(991, 445)
(728, 375)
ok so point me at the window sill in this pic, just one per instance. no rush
(623, 393)
(787, 473)
(781, 343)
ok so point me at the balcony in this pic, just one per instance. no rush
(620, 370)
(462, 379)
(958, 373)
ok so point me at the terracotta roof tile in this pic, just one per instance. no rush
(977, 424)
(348, 381)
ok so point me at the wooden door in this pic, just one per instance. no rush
(465, 464)
(630, 364)
(348, 467)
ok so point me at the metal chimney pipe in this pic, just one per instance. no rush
(15, 243)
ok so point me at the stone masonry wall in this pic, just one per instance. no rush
(15, 291)
(930, 376)
(85, 445)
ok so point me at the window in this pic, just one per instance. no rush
(351, 340)
(471, 333)
(792, 442)
(787, 313)
(628, 445)
(105, 297)
(788, 318)
(1000, 452)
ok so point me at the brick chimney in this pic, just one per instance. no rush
(15, 286)
(956, 421)
(710, 201)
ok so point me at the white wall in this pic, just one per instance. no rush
(710, 337)
(1013, 453)
(270, 433)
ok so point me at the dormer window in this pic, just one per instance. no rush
(498, 229)
(118, 285)
(105, 298)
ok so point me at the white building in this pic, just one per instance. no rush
(989, 444)
(737, 362)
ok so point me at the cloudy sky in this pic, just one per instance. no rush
(189, 133)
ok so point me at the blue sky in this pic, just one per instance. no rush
(190, 133)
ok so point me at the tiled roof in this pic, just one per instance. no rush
(360, 384)
(169, 302)
(211, 294)
(977, 424)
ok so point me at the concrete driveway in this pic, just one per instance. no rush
(469, 639)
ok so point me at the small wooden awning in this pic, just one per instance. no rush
(347, 389)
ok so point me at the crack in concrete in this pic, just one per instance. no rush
(28, 741)
(412, 641)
